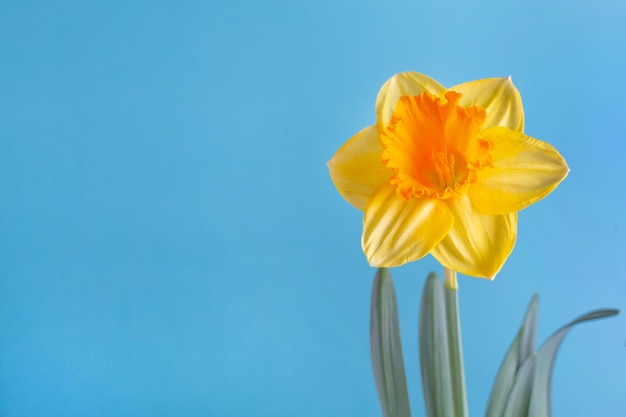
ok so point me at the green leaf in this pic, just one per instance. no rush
(540, 399)
(386, 348)
(529, 330)
(519, 397)
(522, 386)
(521, 349)
(434, 354)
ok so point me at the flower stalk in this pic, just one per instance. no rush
(449, 279)
(455, 348)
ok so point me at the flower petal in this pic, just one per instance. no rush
(525, 170)
(357, 170)
(403, 84)
(478, 244)
(500, 99)
(396, 231)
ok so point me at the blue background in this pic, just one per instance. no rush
(171, 242)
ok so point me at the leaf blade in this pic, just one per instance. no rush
(540, 399)
(521, 349)
(433, 350)
(386, 348)
(518, 400)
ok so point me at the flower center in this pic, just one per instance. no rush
(434, 145)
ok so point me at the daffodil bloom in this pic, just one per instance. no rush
(445, 171)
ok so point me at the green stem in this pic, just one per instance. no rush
(455, 346)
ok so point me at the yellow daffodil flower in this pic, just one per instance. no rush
(445, 171)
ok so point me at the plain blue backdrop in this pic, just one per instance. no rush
(171, 243)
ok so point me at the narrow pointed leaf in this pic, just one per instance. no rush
(434, 354)
(529, 330)
(504, 380)
(540, 402)
(519, 398)
(386, 348)
(513, 360)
